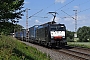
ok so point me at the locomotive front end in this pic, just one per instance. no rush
(58, 34)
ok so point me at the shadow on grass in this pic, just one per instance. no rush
(22, 55)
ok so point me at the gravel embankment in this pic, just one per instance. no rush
(53, 54)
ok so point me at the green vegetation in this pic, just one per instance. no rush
(7, 28)
(12, 49)
(11, 9)
(83, 34)
(80, 44)
(10, 12)
(69, 35)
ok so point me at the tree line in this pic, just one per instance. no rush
(83, 34)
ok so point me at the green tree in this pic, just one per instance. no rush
(11, 9)
(69, 35)
(18, 27)
(84, 34)
(7, 28)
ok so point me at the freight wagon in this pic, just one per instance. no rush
(32, 33)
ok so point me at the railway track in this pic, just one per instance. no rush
(79, 53)
(65, 53)
(82, 50)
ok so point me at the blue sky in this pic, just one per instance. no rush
(82, 7)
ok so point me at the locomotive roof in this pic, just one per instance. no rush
(51, 23)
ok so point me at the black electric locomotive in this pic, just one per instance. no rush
(49, 34)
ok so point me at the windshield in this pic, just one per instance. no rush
(58, 28)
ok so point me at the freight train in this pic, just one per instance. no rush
(48, 34)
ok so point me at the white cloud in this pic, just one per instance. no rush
(76, 7)
(37, 22)
(83, 19)
(60, 1)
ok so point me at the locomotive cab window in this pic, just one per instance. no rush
(57, 28)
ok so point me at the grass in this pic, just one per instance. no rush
(80, 44)
(12, 49)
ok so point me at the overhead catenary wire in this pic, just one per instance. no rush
(44, 11)
(41, 11)
(80, 4)
(52, 5)
(59, 8)
(36, 13)
(81, 11)
(40, 16)
(84, 10)
(76, 5)
(68, 15)
(75, 18)
(65, 5)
